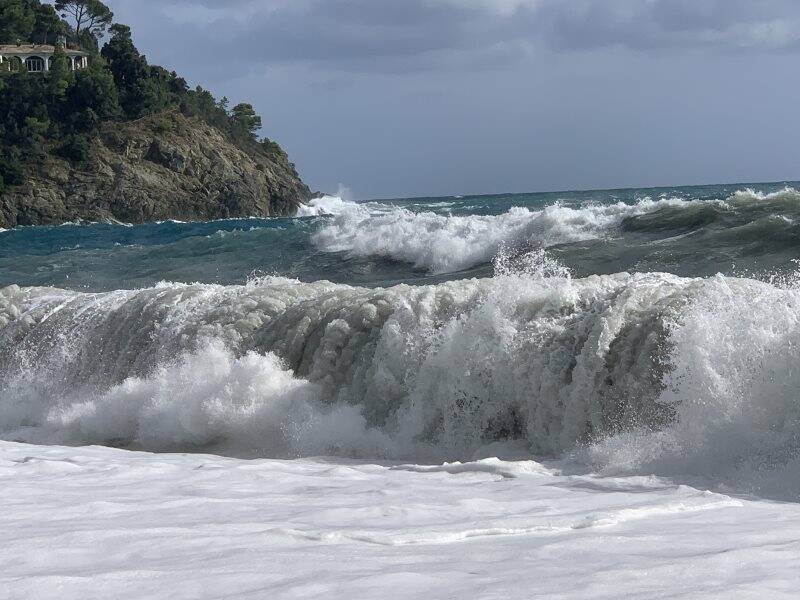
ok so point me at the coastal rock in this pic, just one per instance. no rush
(165, 166)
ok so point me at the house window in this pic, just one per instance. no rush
(35, 64)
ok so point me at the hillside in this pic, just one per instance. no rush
(120, 139)
(159, 167)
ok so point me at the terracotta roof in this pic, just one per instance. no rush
(35, 49)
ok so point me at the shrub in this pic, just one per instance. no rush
(76, 148)
(271, 147)
(11, 170)
(163, 126)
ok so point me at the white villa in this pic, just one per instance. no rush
(38, 58)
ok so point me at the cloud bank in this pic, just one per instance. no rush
(419, 34)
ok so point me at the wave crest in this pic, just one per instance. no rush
(748, 196)
(446, 243)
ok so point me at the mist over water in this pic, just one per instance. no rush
(632, 331)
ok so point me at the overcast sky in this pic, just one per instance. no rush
(435, 97)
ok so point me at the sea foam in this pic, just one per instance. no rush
(442, 243)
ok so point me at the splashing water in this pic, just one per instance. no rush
(627, 371)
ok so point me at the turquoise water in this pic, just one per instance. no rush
(689, 231)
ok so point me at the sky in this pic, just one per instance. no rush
(398, 98)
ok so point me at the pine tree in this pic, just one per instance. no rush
(244, 115)
(60, 75)
(87, 16)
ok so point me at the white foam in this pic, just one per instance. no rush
(446, 243)
(250, 404)
(325, 206)
(750, 196)
(492, 466)
(733, 383)
(96, 522)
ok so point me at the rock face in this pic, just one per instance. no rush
(166, 166)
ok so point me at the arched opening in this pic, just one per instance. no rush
(13, 64)
(50, 63)
(35, 64)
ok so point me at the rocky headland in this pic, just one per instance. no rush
(164, 166)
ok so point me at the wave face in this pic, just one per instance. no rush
(404, 370)
(636, 372)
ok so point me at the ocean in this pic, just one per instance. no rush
(599, 381)
(689, 231)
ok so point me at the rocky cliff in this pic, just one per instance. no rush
(165, 166)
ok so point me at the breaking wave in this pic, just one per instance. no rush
(788, 196)
(324, 206)
(639, 372)
(447, 243)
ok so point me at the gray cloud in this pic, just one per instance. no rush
(652, 24)
(392, 35)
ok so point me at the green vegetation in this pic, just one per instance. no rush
(246, 118)
(60, 112)
(29, 21)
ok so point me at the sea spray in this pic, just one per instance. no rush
(733, 383)
(442, 369)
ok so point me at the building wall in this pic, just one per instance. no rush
(76, 62)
